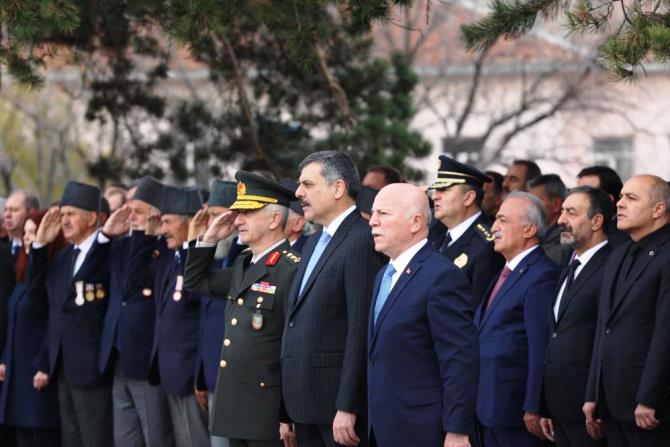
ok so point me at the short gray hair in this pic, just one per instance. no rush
(336, 165)
(282, 210)
(535, 212)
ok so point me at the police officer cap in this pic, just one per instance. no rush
(182, 201)
(293, 186)
(254, 192)
(81, 195)
(149, 190)
(365, 199)
(452, 173)
(223, 193)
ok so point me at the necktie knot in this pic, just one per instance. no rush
(390, 270)
(325, 237)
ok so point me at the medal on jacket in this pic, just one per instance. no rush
(99, 291)
(79, 287)
(90, 294)
(257, 320)
(179, 285)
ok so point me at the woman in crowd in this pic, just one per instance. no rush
(28, 401)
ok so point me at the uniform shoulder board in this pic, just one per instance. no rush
(291, 256)
(484, 232)
(246, 250)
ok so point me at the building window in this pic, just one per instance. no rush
(617, 153)
(464, 150)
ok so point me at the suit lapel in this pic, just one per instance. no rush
(589, 269)
(517, 273)
(405, 277)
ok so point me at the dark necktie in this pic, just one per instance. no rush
(571, 274)
(75, 255)
(445, 243)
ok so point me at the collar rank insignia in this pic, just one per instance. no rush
(273, 258)
(461, 260)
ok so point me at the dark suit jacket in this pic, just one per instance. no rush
(630, 361)
(323, 348)
(247, 403)
(74, 331)
(422, 355)
(473, 253)
(299, 245)
(571, 341)
(127, 328)
(513, 336)
(7, 282)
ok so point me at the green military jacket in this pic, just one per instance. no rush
(248, 387)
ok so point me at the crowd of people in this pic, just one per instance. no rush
(484, 310)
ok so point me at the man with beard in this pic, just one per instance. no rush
(585, 216)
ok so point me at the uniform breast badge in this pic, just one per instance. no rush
(257, 320)
(461, 260)
(178, 287)
(79, 287)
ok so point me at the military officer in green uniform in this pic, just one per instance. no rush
(248, 393)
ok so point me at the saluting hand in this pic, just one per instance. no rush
(117, 224)
(49, 227)
(198, 224)
(153, 224)
(220, 228)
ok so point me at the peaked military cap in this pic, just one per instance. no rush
(293, 186)
(365, 199)
(223, 193)
(81, 195)
(149, 190)
(254, 192)
(182, 201)
(452, 173)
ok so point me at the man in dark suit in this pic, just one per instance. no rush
(551, 190)
(175, 343)
(513, 322)
(461, 231)
(77, 283)
(323, 349)
(247, 405)
(629, 377)
(584, 220)
(422, 342)
(141, 415)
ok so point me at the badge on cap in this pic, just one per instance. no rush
(461, 260)
(241, 189)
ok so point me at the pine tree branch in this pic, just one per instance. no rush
(335, 88)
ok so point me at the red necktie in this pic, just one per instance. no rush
(501, 280)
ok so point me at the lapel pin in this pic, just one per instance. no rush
(408, 271)
(651, 253)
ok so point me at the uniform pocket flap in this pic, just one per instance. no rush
(260, 301)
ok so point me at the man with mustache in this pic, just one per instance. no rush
(583, 223)
(514, 327)
(629, 377)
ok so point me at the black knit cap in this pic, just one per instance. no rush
(183, 201)
(452, 172)
(149, 190)
(254, 192)
(223, 193)
(81, 195)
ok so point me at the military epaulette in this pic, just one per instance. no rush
(246, 250)
(291, 255)
(485, 233)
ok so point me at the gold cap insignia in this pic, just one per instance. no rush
(241, 189)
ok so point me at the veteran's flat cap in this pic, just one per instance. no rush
(452, 172)
(293, 186)
(184, 201)
(254, 192)
(81, 195)
(149, 190)
(223, 193)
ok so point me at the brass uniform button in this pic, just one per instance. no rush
(259, 299)
(223, 363)
(233, 321)
(258, 306)
(240, 301)
(226, 342)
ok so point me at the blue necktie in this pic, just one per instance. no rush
(318, 251)
(384, 289)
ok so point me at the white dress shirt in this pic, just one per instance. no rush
(400, 263)
(462, 227)
(518, 258)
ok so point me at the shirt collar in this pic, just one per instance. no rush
(266, 251)
(400, 263)
(462, 227)
(518, 258)
(86, 245)
(585, 257)
(332, 227)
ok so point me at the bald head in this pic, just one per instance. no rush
(643, 206)
(400, 218)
